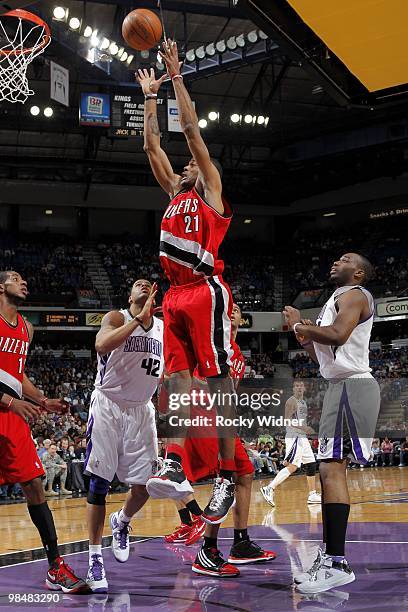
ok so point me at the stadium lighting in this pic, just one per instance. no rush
(232, 43)
(248, 119)
(35, 111)
(105, 44)
(145, 54)
(60, 13)
(130, 59)
(221, 46)
(235, 118)
(260, 120)
(330, 214)
(262, 35)
(94, 39)
(113, 48)
(48, 112)
(120, 52)
(88, 31)
(266, 121)
(49, 211)
(240, 40)
(247, 221)
(210, 50)
(74, 23)
(190, 55)
(124, 57)
(252, 36)
(202, 123)
(213, 116)
(200, 52)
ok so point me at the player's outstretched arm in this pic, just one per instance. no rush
(191, 129)
(159, 162)
(114, 331)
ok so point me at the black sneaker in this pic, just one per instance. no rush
(249, 552)
(169, 481)
(210, 563)
(222, 500)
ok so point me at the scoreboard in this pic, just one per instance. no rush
(60, 318)
(127, 115)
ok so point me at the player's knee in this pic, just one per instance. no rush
(245, 480)
(311, 469)
(33, 491)
(98, 490)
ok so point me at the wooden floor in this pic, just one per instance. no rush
(384, 485)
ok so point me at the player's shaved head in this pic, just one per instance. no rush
(352, 269)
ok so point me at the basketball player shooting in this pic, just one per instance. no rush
(197, 308)
(339, 343)
(121, 432)
(19, 461)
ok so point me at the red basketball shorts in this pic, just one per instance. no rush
(197, 327)
(19, 461)
(200, 459)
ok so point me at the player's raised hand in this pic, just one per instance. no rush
(24, 409)
(55, 405)
(148, 81)
(291, 316)
(170, 57)
(148, 309)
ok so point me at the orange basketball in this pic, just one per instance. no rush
(142, 29)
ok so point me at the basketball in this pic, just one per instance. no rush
(142, 29)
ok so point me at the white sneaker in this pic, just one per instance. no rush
(304, 576)
(328, 575)
(268, 494)
(120, 538)
(169, 481)
(314, 498)
(96, 577)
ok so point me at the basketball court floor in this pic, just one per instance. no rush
(159, 576)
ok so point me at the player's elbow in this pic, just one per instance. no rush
(100, 347)
(339, 338)
(190, 129)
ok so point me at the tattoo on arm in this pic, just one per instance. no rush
(154, 125)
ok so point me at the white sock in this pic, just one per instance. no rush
(123, 518)
(95, 549)
(280, 477)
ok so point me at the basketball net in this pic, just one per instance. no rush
(17, 51)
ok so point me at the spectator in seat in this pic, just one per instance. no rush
(43, 449)
(404, 452)
(80, 450)
(375, 453)
(54, 466)
(387, 449)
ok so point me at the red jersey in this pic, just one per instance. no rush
(238, 363)
(191, 234)
(14, 343)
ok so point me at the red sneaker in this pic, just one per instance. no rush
(60, 577)
(179, 535)
(210, 563)
(196, 531)
(247, 551)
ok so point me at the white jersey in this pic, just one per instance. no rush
(301, 416)
(129, 375)
(352, 358)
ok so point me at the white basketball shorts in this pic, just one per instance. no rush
(299, 451)
(121, 441)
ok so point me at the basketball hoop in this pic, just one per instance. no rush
(19, 46)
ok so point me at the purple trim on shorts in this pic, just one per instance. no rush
(88, 439)
(338, 434)
(291, 454)
(352, 427)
